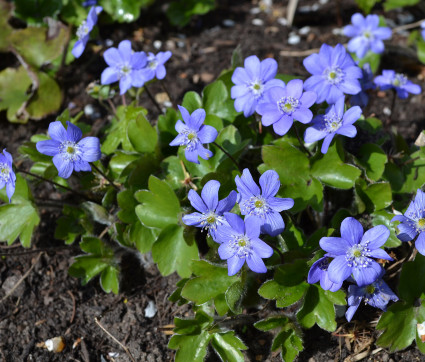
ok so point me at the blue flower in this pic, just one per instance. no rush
(89, 3)
(367, 35)
(83, 31)
(334, 121)
(261, 204)
(423, 30)
(155, 65)
(377, 294)
(125, 66)
(69, 151)
(7, 176)
(319, 271)
(193, 134)
(252, 82)
(413, 222)
(403, 86)
(353, 252)
(281, 106)
(362, 99)
(240, 242)
(210, 214)
(334, 73)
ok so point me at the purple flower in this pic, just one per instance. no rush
(124, 66)
(423, 30)
(7, 176)
(252, 81)
(89, 3)
(210, 214)
(367, 35)
(193, 134)
(240, 242)
(155, 65)
(333, 122)
(377, 294)
(281, 106)
(83, 31)
(333, 74)
(353, 252)
(319, 271)
(413, 222)
(261, 204)
(69, 151)
(403, 86)
(362, 99)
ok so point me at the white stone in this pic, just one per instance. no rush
(157, 44)
(294, 39)
(150, 310)
(257, 22)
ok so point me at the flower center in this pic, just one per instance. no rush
(370, 289)
(191, 136)
(153, 64)
(125, 70)
(332, 122)
(255, 205)
(334, 75)
(421, 223)
(211, 220)
(82, 30)
(5, 172)
(358, 256)
(242, 246)
(256, 88)
(288, 105)
(70, 151)
(399, 80)
(367, 34)
(191, 140)
(324, 264)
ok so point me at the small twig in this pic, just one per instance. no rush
(301, 142)
(116, 340)
(166, 91)
(153, 99)
(53, 183)
(111, 104)
(22, 279)
(301, 53)
(408, 26)
(124, 102)
(106, 177)
(73, 306)
(228, 155)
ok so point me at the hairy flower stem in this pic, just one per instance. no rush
(124, 102)
(301, 142)
(54, 183)
(152, 98)
(228, 155)
(106, 177)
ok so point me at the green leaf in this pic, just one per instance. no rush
(47, 99)
(210, 281)
(5, 28)
(120, 161)
(174, 169)
(383, 217)
(180, 11)
(216, 101)
(124, 11)
(97, 213)
(87, 267)
(19, 218)
(173, 253)
(332, 171)
(34, 45)
(271, 323)
(192, 101)
(412, 170)
(69, 225)
(234, 296)
(394, 4)
(375, 196)
(142, 237)
(373, 159)
(228, 346)
(159, 206)
(190, 347)
(142, 135)
(366, 5)
(13, 92)
(318, 307)
(421, 50)
(109, 280)
(34, 11)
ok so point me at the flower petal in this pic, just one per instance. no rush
(207, 134)
(197, 202)
(227, 203)
(209, 194)
(420, 243)
(315, 273)
(193, 219)
(313, 134)
(303, 115)
(338, 269)
(351, 230)
(348, 131)
(48, 147)
(273, 224)
(375, 237)
(256, 264)
(65, 167)
(234, 264)
(57, 131)
(280, 204)
(268, 69)
(270, 183)
(109, 75)
(73, 133)
(365, 276)
(261, 248)
(236, 222)
(334, 245)
(225, 251)
(326, 142)
(380, 254)
(282, 126)
(90, 148)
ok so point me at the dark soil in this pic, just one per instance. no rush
(49, 303)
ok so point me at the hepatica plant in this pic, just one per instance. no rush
(270, 195)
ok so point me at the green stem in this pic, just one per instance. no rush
(106, 177)
(228, 155)
(301, 141)
(153, 99)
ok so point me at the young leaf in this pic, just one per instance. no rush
(228, 346)
(142, 135)
(373, 160)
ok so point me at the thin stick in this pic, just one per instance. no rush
(228, 155)
(111, 104)
(53, 183)
(22, 279)
(408, 26)
(116, 340)
(106, 177)
(124, 102)
(73, 306)
(301, 142)
(153, 99)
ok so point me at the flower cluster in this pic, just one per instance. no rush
(132, 69)
(7, 176)
(83, 31)
(399, 82)
(352, 255)
(366, 35)
(239, 238)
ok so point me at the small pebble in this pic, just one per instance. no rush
(323, 2)
(387, 111)
(338, 31)
(10, 283)
(257, 22)
(109, 42)
(255, 11)
(315, 7)
(304, 30)
(88, 110)
(293, 38)
(229, 23)
(282, 21)
(157, 44)
(170, 45)
(405, 18)
(150, 310)
(181, 44)
(304, 9)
